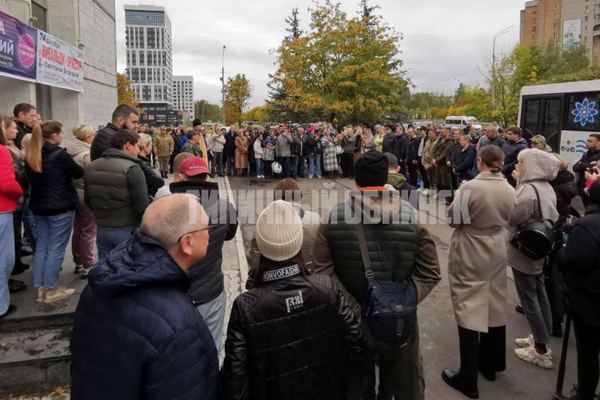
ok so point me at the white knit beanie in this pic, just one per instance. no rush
(279, 231)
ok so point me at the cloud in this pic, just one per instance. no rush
(444, 42)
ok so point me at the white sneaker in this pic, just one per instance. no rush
(531, 356)
(60, 293)
(525, 342)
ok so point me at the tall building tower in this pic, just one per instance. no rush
(150, 60)
(183, 95)
(541, 22)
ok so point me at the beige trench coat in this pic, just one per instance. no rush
(477, 262)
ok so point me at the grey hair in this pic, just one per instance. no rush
(170, 217)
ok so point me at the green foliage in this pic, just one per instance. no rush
(258, 114)
(341, 69)
(294, 25)
(207, 111)
(237, 94)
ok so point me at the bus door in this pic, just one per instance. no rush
(542, 116)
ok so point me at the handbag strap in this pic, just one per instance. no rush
(539, 201)
(364, 251)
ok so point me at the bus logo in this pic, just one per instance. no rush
(585, 112)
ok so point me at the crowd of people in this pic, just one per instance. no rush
(328, 299)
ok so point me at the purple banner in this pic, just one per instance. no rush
(18, 48)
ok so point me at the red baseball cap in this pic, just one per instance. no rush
(193, 166)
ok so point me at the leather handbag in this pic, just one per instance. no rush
(535, 238)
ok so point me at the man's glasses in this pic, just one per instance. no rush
(209, 228)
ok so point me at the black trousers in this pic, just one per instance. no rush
(424, 174)
(17, 222)
(348, 165)
(413, 173)
(553, 280)
(481, 351)
(588, 366)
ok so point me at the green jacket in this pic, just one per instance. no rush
(192, 148)
(115, 189)
(396, 180)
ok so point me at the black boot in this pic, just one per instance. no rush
(455, 381)
(19, 267)
(15, 285)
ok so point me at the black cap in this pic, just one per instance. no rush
(371, 169)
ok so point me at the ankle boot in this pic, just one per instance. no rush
(455, 381)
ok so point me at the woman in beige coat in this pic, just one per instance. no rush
(477, 271)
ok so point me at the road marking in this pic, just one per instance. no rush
(239, 242)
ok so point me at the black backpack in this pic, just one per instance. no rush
(535, 238)
(390, 309)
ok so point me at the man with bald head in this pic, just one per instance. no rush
(137, 334)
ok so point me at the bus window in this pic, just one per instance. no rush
(532, 116)
(552, 122)
(583, 112)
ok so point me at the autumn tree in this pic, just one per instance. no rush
(237, 94)
(125, 93)
(206, 111)
(258, 114)
(341, 69)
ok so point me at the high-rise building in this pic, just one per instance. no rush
(563, 23)
(150, 60)
(541, 22)
(183, 95)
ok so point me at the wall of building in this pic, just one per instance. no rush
(541, 23)
(90, 23)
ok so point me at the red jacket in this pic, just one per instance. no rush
(10, 190)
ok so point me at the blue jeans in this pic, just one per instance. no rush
(213, 314)
(260, 167)
(107, 238)
(230, 164)
(52, 236)
(314, 165)
(7, 257)
(295, 165)
(217, 163)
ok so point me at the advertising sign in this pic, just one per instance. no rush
(17, 49)
(58, 63)
(571, 33)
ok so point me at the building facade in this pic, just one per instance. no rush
(150, 59)
(541, 22)
(87, 24)
(563, 23)
(183, 95)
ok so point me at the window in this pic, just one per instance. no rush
(133, 58)
(583, 111)
(556, 16)
(142, 60)
(143, 75)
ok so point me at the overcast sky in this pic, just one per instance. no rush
(445, 42)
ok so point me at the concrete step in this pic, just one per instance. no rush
(34, 362)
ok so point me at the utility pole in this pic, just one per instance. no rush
(496, 36)
(223, 85)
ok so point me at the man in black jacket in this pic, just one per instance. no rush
(124, 117)
(136, 333)
(412, 156)
(25, 116)
(401, 144)
(581, 264)
(512, 147)
(588, 160)
(288, 338)
(229, 152)
(208, 289)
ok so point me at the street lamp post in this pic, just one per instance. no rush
(223, 85)
(496, 36)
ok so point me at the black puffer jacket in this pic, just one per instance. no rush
(288, 339)
(207, 276)
(102, 140)
(565, 188)
(153, 181)
(137, 334)
(52, 190)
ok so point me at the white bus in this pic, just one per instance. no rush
(565, 113)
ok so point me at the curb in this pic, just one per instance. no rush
(239, 242)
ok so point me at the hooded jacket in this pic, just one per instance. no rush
(206, 275)
(537, 168)
(288, 338)
(136, 334)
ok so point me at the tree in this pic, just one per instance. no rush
(258, 114)
(237, 94)
(125, 93)
(367, 13)
(207, 111)
(341, 69)
(294, 25)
